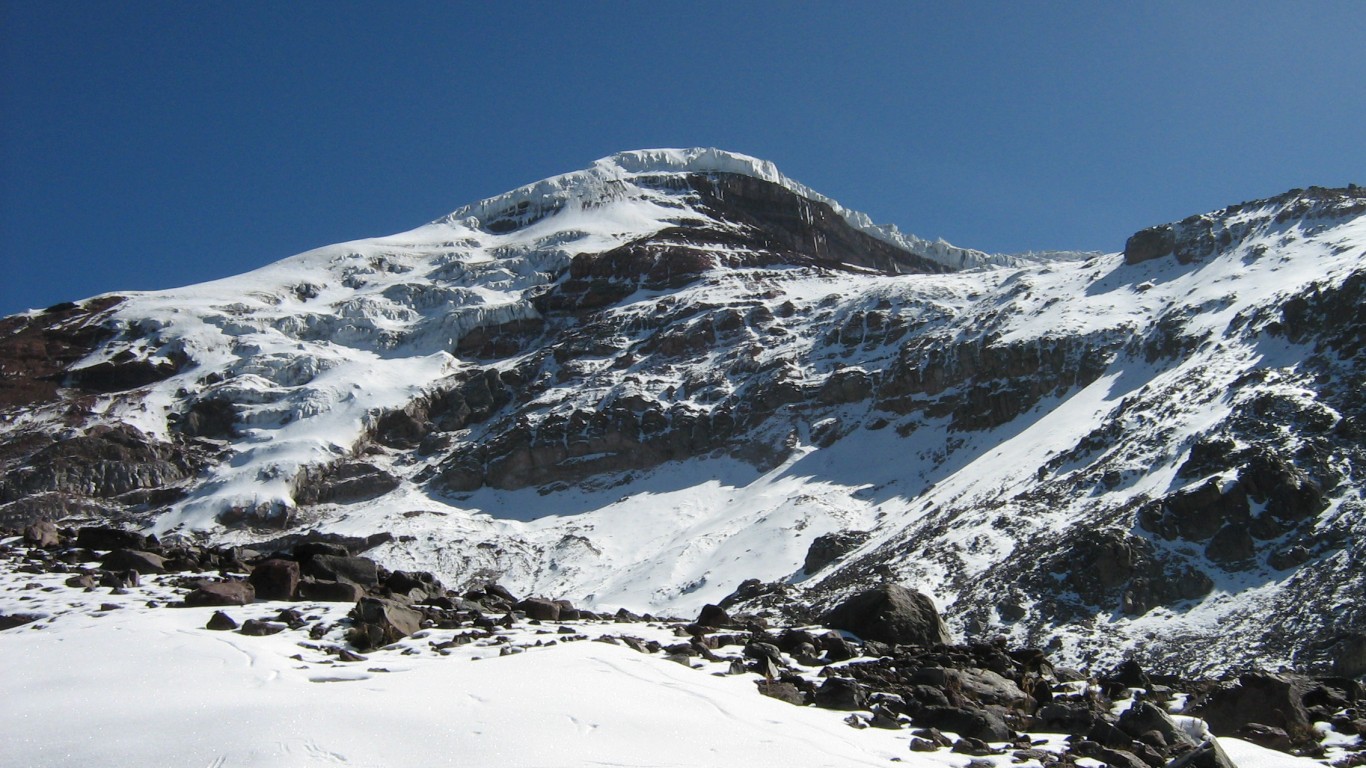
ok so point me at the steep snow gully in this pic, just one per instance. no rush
(645, 383)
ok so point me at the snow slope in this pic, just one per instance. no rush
(105, 680)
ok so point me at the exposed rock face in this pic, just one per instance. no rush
(890, 613)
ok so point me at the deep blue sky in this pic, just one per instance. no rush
(148, 145)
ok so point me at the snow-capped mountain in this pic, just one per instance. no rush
(646, 383)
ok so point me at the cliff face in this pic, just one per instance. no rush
(647, 382)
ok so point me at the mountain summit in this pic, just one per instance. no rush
(679, 377)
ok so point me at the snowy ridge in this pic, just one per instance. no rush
(612, 177)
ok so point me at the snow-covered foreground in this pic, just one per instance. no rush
(109, 680)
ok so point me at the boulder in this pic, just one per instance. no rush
(841, 693)
(261, 627)
(712, 616)
(357, 570)
(275, 579)
(829, 547)
(1144, 717)
(379, 622)
(133, 560)
(43, 534)
(539, 608)
(104, 538)
(890, 613)
(1207, 755)
(781, 691)
(1263, 698)
(987, 687)
(220, 593)
(417, 585)
(971, 723)
(221, 622)
(325, 591)
(1130, 674)
(12, 620)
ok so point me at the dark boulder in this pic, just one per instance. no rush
(276, 579)
(416, 585)
(104, 538)
(220, 593)
(712, 616)
(12, 620)
(841, 693)
(1129, 674)
(220, 622)
(1263, 698)
(379, 622)
(829, 547)
(1144, 717)
(357, 570)
(1074, 717)
(133, 560)
(781, 691)
(1266, 736)
(1207, 755)
(325, 591)
(501, 592)
(890, 613)
(972, 723)
(261, 627)
(539, 608)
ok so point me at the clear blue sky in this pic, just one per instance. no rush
(148, 145)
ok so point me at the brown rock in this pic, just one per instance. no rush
(220, 593)
(276, 579)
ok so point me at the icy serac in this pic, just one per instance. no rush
(647, 382)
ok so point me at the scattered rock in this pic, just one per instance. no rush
(220, 621)
(12, 620)
(261, 628)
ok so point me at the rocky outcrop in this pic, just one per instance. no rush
(890, 613)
